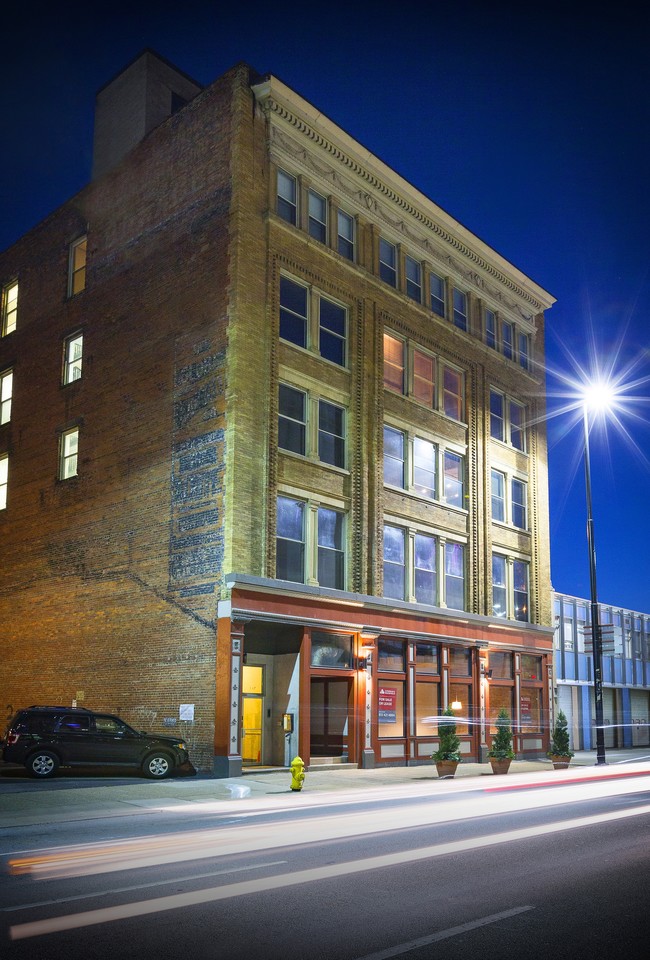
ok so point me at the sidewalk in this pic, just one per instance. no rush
(41, 803)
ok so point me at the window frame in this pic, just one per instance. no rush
(320, 338)
(71, 363)
(310, 553)
(438, 299)
(9, 308)
(510, 429)
(4, 480)
(441, 455)
(388, 268)
(317, 228)
(313, 431)
(68, 456)
(77, 271)
(346, 246)
(460, 309)
(509, 586)
(414, 282)
(6, 394)
(445, 575)
(287, 208)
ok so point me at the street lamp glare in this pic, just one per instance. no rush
(598, 396)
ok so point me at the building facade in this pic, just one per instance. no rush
(273, 462)
(625, 637)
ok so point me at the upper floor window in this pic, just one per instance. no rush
(77, 266)
(4, 479)
(491, 328)
(510, 588)
(68, 454)
(423, 467)
(429, 379)
(506, 339)
(388, 262)
(345, 238)
(423, 568)
(413, 272)
(438, 294)
(310, 543)
(513, 508)
(310, 320)
(325, 439)
(73, 352)
(317, 216)
(6, 392)
(524, 351)
(460, 309)
(498, 491)
(507, 420)
(519, 501)
(9, 308)
(287, 200)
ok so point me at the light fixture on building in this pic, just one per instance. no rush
(456, 705)
(485, 672)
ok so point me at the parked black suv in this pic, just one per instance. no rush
(46, 738)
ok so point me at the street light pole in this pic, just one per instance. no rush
(596, 635)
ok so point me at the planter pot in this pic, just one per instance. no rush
(446, 768)
(499, 766)
(560, 763)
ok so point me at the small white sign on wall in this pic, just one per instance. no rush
(186, 711)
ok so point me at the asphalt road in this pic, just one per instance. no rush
(487, 870)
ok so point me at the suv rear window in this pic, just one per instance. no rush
(73, 723)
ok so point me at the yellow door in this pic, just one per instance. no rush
(252, 714)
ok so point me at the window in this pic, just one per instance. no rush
(460, 309)
(453, 393)
(454, 481)
(412, 561)
(310, 543)
(345, 235)
(77, 267)
(331, 650)
(393, 363)
(331, 433)
(506, 338)
(388, 262)
(4, 479)
(326, 439)
(290, 540)
(293, 312)
(332, 331)
(287, 197)
(331, 556)
(524, 351)
(491, 329)
(507, 420)
(424, 378)
(73, 350)
(437, 285)
(519, 499)
(394, 457)
(498, 489)
(424, 467)
(9, 308)
(317, 217)
(301, 308)
(413, 279)
(292, 419)
(69, 450)
(6, 390)
(509, 588)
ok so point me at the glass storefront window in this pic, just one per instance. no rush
(501, 697)
(427, 706)
(459, 662)
(331, 650)
(390, 704)
(462, 693)
(501, 666)
(530, 705)
(391, 656)
(531, 667)
(427, 658)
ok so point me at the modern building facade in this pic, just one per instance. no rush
(626, 672)
(273, 462)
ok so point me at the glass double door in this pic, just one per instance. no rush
(252, 714)
(330, 712)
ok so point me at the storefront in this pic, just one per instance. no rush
(366, 681)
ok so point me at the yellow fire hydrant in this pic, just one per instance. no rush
(297, 768)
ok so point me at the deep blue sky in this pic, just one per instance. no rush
(531, 129)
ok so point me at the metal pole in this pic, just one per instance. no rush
(596, 635)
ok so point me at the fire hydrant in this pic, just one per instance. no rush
(297, 768)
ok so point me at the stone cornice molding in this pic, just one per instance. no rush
(474, 261)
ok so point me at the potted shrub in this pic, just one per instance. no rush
(447, 756)
(559, 750)
(501, 753)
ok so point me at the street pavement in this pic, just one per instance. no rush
(24, 801)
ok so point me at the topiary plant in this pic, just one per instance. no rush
(559, 745)
(449, 743)
(501, 748)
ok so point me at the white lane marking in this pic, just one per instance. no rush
(212, 895)
(142, 886)
(401, 948)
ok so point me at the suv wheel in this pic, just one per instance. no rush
(43, 764)
(157, 766)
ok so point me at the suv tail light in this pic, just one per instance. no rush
(13, 737)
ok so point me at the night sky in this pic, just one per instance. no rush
(531, 129)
